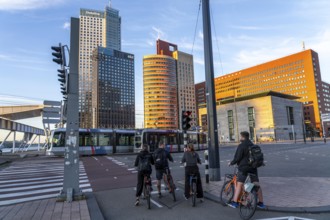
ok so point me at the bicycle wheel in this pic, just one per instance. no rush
(172, 189)
(248, 205)
(147, 195)
(193, 193)
(227, 192)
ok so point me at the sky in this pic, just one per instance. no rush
(245, 33)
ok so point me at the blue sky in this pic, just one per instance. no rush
(247, 32)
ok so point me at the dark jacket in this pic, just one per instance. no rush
(241, 157)
(191, 159)
(168, 155)
(143, 154)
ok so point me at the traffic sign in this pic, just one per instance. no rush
(325, 117)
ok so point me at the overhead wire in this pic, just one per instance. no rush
(199, 9)
(217, 43)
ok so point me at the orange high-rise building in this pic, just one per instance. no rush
(297, 74)
(160, 92)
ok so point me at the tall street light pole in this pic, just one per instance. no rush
(213, 142)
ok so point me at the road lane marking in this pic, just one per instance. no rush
(95, 158)
(82, 175)
(130, 169)
(156, 203)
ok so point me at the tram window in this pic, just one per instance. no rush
(105, 139)
(84, 139)
(125, 139)
(59, 139)
(202, 138)
(93, 139)
(172, 139)
(192, 138)
(163, 138)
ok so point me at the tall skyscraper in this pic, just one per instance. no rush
(160, 92)
(97, 28)
(186, 85)
(182, 86)
(297, 74)
(113, 94)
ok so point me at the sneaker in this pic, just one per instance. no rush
(233, 204)
(261, 205)
(201, 200)
(159, 195)
(185, 197)
(137, 202)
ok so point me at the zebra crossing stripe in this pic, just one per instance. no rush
(38, 182)
(23, 183)
(14, 201)
(82, 175)
(36, 186)
(33, 171)
(8, 195)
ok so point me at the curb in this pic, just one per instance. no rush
(93, 207)
(5, 162)
(314, 210)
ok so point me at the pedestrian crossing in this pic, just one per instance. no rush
(36, 180)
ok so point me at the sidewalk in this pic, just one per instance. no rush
(46, 209)
(294, 194)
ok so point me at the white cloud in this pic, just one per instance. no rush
(17, 5)
(252, 28)
(66, 25)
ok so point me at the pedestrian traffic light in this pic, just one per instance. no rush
(186, 118)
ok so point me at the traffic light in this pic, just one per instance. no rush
(59, 58)
(186, 118)
(59, 55)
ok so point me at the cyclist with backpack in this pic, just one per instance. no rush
(191, 159)
(161, 157)
(143, 161)
(248, 158)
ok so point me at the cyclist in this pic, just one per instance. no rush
(143, 161)
(161, 157)
(241, 158)
(191, 159)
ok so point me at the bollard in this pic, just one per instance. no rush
(206, 154)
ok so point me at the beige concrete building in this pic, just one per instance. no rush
(186, 85)
(266, 116)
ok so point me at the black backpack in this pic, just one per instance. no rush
(160, 159)
(144, 164)
(256, 157)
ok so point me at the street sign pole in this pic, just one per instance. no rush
(324, 139)
(71, 190)
(213, 142)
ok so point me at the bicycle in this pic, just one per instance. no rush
(168, 180)
(147, 189)
(193, 188)
(248, 198)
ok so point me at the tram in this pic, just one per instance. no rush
(119, 141)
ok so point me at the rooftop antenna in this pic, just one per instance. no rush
(303, 45)
(109, 3)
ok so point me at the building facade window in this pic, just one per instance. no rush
(252, 123)
(231, 125)
(289, 112)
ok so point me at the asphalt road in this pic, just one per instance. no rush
(113, 180)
